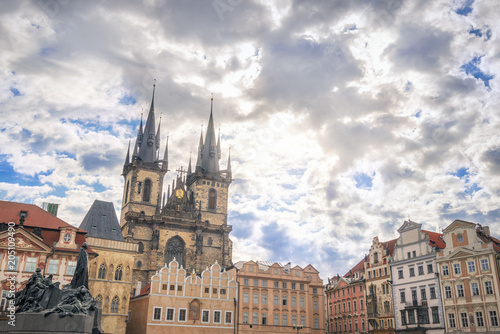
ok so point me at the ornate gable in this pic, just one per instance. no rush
(408, 225)
(459, 224)
(25, 241)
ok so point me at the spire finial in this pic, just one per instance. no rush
(154, 83)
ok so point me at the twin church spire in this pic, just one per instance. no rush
(147, 147)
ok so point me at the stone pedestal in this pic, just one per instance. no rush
(37, 323)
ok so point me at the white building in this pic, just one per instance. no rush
(415, 285)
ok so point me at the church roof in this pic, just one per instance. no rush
(101, 222)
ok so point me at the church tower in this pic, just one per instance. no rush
(144, 172)
(188, 222)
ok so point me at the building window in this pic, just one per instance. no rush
(430, 270)
(246, 281)
(276, 284)
(488, 288)
(255, 282)
(301, 286)
(246, 297)
(126, 192)
(316, 305)
(118, 273)
(479, 319)
(493, 318)
(284, 300)
(412, 271)
(264, 284)
(146, 196)
(157, 313)
(423, 316)
(432, 291)
(114, 305)
(445, 271)
(387, 307)
(141, 247)
(402, 295)
(276, 299)
(285, 320)
(460, 290)
(53, 266)
(475, 289)
(355, 305)
(216, 317)
(182, 314)
(31, 265)
(411, 317)
(315, 291)
(435, 315)
(485, 265)
(375, 258)
(264, 318)
(465, 320)
(414, 253)
(99, 301)
(294, 286)
(361, 305)
(205, 316)
(212, 199)
(456, 269)
(264, 299)
(403, 317)
(284, 285)
(294, 319)
(471, 266)
(276, 319)
(316, 323)
(447, 292)
(255, 318)
(451, 320)
(256, 298)
(302, 320)
(229, 317)
(400, 273)
(420, 270)
(303, 302)
(102, 272)
(71, 268)
(294, 301)
(174, 249)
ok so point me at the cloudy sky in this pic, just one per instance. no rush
(344, 118)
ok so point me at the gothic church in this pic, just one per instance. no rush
(189, 221)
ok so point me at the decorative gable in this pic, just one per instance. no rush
(25, 241)
(67, 236)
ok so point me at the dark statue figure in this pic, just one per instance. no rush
(81, 276)
(41, 295)
(199, 241)
(155, 240)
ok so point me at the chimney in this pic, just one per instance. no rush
(486, 231)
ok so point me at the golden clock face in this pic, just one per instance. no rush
(179, 193)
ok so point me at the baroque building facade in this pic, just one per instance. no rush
(188, 222)
(346, 312)
(469, 273)
(379, 306)
(275, 298)
(415, 285)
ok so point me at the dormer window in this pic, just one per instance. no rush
(375, 258)
(67, 237)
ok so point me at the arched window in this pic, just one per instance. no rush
(114, 305)
(99, 301)
(126, 192)
(141, 247)
(118, 273)
(210, 241)
(139, 264)
(102, 272)
(146, 196)
(175, 250)
(212, 199)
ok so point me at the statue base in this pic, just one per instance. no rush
(37, 323)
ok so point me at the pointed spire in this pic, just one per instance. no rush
(200, 148)
(218, 146)
(158, 135)
(189, 172)
(229, 173)
(127, 158)
(210, 162)
(165, 157)
(147, 150)
(138, 141)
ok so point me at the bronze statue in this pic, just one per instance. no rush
(81, 275)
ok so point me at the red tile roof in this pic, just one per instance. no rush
(144, 291)
(390, 244)
(435, 239)
(38, 217)
(359, 266)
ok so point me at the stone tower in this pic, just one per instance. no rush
(188, 222)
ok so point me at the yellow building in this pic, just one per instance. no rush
(469, 277)
(274, 298)
(189, 221)
(110, 274)
(177, 303)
